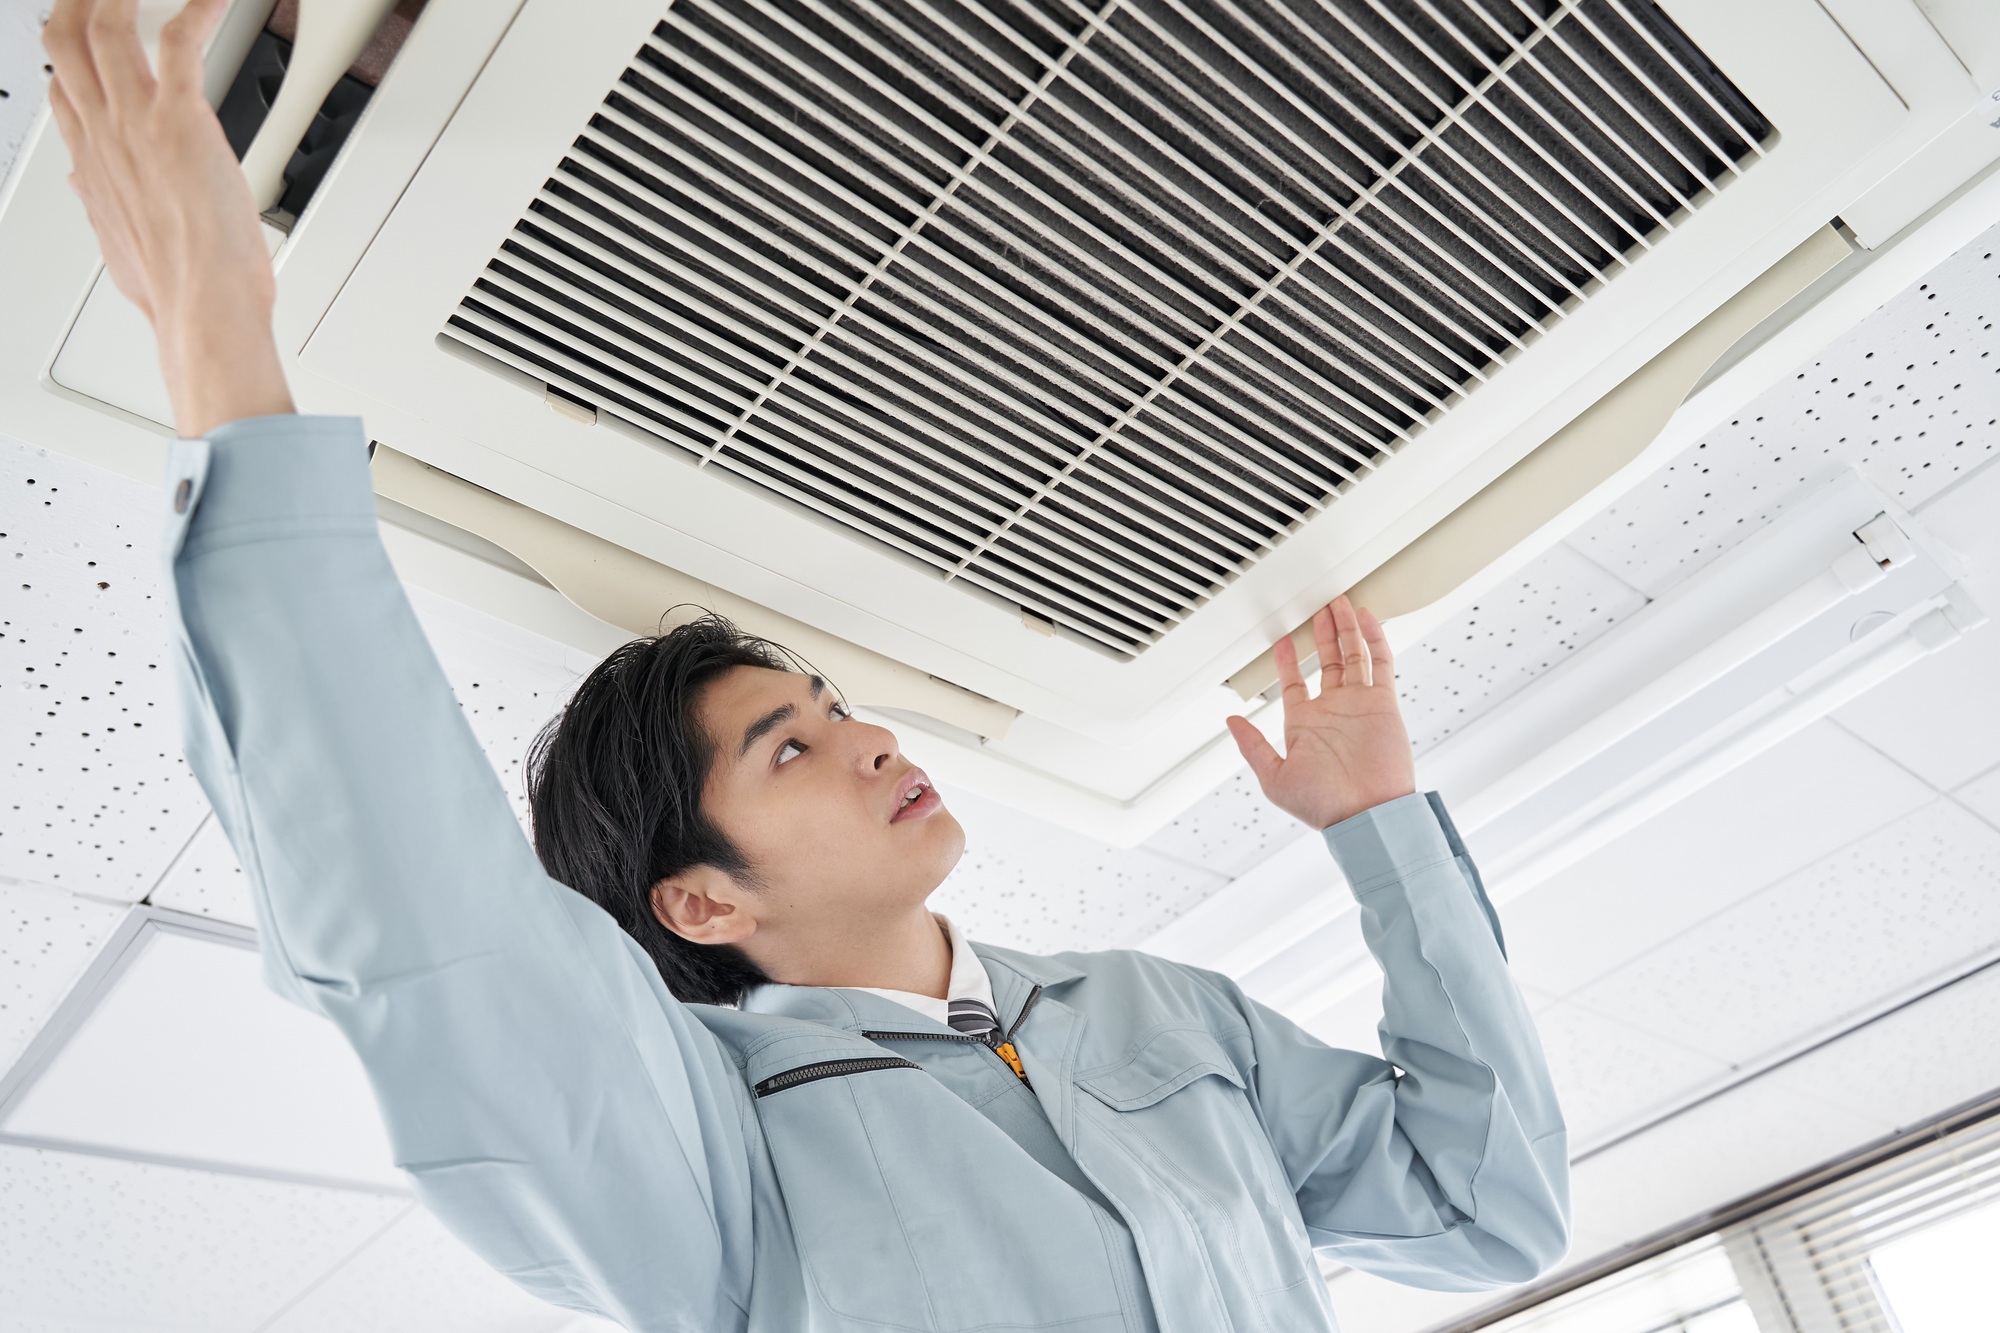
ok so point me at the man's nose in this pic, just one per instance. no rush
(878, 748)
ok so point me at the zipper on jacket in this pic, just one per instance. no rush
(792, 1078)
(1006, 1041)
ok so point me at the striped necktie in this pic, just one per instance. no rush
(974, 1019)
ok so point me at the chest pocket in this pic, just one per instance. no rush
(1184, 1114)
(913, 1211)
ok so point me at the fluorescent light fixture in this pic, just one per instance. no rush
(171, 1050)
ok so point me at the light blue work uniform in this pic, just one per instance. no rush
(825, 1158)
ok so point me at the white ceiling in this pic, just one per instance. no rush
(1681, 976)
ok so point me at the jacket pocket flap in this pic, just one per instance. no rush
(1165, 1063)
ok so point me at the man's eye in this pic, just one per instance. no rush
(841, 712)
(789, 751)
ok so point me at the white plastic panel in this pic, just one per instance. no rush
(92, 1242)
(1910, 397)
(1609, 1074)
(1783, 810)
(416, 1277)
(1514, 633)
(207, 880)
(97, 798)
(47, 938)
(1028, 885)
(1894, 909)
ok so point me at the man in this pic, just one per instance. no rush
(892, 1129)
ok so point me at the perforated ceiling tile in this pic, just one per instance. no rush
(1910, 396)
(1229, 830)
(416, 1277)
(24, 80)
(1918, 1061)
(207, 880)
(1751, 1136)
(94, 793)
(1982, 796)
(1609, 1074)
(47, 938)
(1895, 908)
(1029, 885)
(98, 1241)
(1514, 633)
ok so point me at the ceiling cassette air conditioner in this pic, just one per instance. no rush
(1052, 357)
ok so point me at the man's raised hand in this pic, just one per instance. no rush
(172, 212)
(1346, 749)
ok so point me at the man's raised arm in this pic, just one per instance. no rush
(557, 1108)
(1447, 1164)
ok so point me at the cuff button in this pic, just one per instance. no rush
(181, 493)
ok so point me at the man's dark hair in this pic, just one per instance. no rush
(614, 788)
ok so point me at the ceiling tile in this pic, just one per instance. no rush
(416, 1277)
(189, 1057)
(207, 880)
(1511, 635)
(47, 938)
(1941, 717)
(1028, 885)
(1229, 830)
(1893, 909)
(95, 794)
(1752, 1136)
(1917, 1062)
(1907, 397)
(1784, 809)
(1609, 1074)
(1351, 1024)
(94, 1241)
(1982, 796)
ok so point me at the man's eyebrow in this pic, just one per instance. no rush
(765, 725)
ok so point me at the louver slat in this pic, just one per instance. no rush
(1088, 309)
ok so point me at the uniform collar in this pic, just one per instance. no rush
(1012, 974)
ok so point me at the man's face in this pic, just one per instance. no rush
(819, 804)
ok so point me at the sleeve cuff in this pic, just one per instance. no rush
(271, 477)
(1387, 843)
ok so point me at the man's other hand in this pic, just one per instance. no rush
(172, 212)
(1346, 749)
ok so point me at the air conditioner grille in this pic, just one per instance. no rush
(1089, 308)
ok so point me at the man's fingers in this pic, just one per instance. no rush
(1328, 644)
(1382, 662)
(1286, 654)
(64, 38)
(113, 33)
(1354, 658)
(1257, 752)
(183, 40)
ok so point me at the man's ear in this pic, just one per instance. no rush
(704, 905)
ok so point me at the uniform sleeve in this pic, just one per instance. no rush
(1447, 1165)
(555, 1106)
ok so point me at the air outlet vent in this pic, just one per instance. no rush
(1089, 308)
